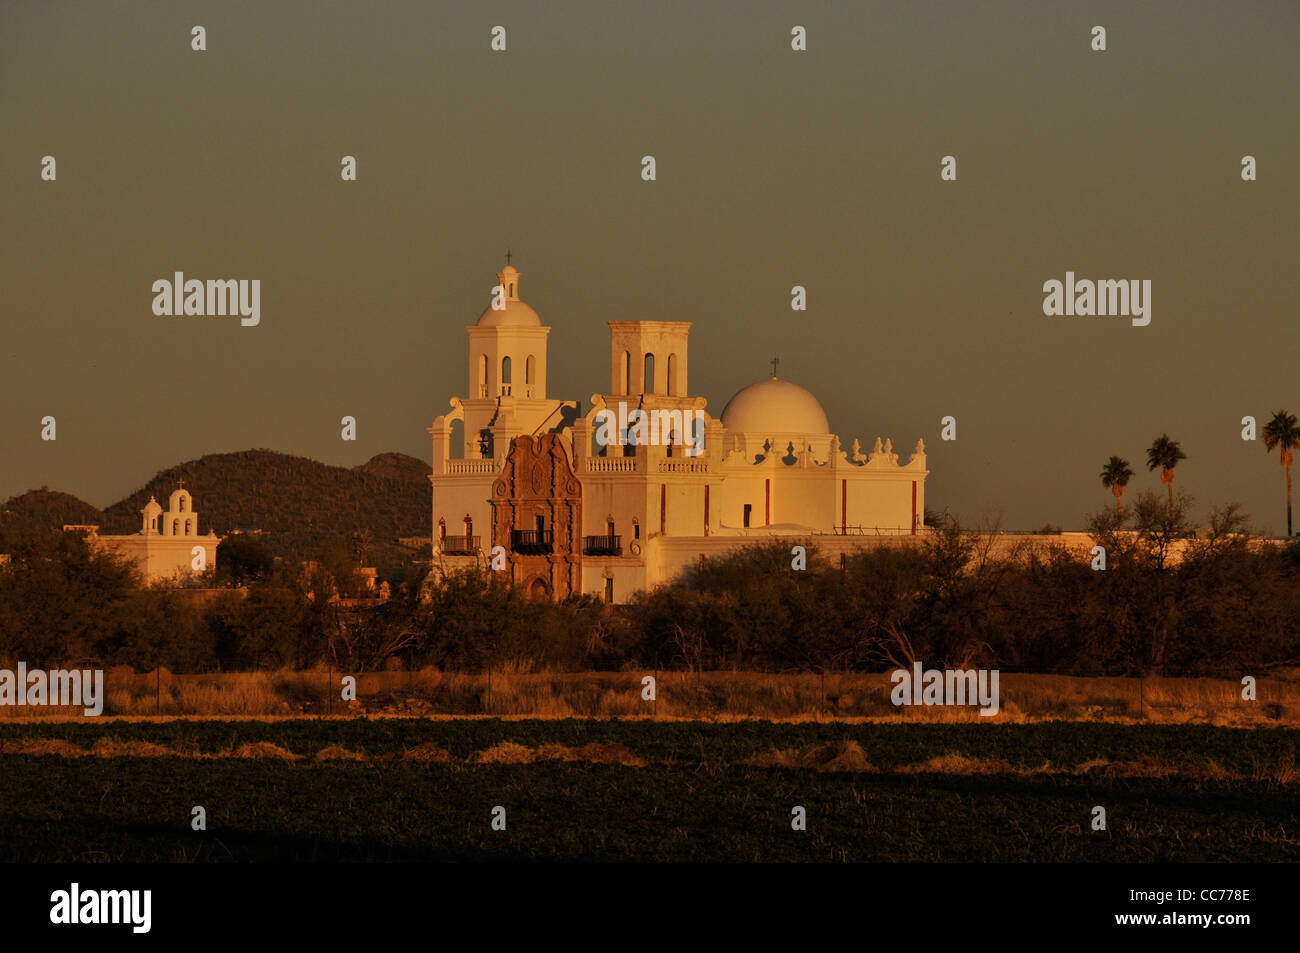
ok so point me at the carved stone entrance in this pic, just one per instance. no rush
(537, 517)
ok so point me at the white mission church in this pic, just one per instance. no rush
(533, 475)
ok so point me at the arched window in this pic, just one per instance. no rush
(188, 530)
(629, 435)
(176, 527)
(505, 370)
(649, 385)
(530, 370)
(456, 438)
(182, 504)
(672, 374)
(627, 373)
(482, 375)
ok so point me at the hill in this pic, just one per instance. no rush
(396, 466)
(298, 503)
(45, 507)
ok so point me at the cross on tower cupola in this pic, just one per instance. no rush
(509, 278)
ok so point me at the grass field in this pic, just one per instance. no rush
(698, 696)
(412, 789)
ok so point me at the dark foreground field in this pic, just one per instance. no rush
(638, 790)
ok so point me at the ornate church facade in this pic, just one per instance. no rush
(579, 504)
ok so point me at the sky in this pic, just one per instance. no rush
(774, 168)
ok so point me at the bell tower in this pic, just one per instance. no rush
(180, 518)
(648, 357)
(507, 347)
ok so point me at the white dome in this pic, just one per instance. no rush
(775, 407)
(515, 314)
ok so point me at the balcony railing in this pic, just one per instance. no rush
(602, 546)
(683, 466)
(477, 466)
(531, 541)
(460, 545)
(610, 465)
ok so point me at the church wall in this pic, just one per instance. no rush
(623, 499)
(478, 414)
(737, 490)
(525, 417)
(453, 497)
(629, 575)
(684, 497)
(816, 497)
(161, 558)
(805, 496)
(676, 556)
(883, 500)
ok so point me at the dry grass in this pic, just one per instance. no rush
(721, 696)
(337, 753)
(847, 756)
(264, 749)
(594, 753)
(43, 746)
(953, 763)
(507, 752)
(108, 748)
(838, 756)
(428, 751)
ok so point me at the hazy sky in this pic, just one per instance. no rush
(775, 168)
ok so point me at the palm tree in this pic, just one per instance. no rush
(1282, 432)
(1114, 477)
(1164, 455)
